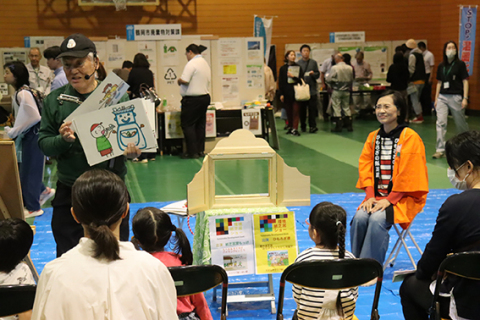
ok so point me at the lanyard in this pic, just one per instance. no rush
(450, 69)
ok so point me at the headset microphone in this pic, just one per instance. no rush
(89, 76)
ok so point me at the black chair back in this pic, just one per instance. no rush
(15, 299)
(332, 275)
(464, 264)
(195, 279)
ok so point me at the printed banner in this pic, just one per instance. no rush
(275, 242)
(231, 241)
(154, 32)
(355, 36)
(468, 24)
(262, 27)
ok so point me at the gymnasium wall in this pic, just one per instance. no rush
(295, 22)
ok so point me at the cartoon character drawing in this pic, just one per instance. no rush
(128, 129)
(111, 92)
(98, 131)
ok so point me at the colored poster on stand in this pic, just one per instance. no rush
(173, 125)
(377, 58)
(231, 241)
(252, 121)
(211, 125)
(275, 241)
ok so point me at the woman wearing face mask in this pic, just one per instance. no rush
(457, 230)
(452, 94)
(290, 74)
(393, 174)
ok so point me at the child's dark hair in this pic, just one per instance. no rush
(330, 220)
(153, 228)
(16, 238)
(99, 199)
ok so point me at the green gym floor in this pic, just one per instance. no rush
(330, 159)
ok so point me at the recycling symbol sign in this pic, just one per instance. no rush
(170, 75)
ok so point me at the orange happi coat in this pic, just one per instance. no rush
(409, 174)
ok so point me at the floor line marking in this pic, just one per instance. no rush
(314, 187)
(134, 182)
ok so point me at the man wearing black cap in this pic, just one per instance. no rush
(57, 139)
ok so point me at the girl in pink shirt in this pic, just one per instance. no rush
(152, 229)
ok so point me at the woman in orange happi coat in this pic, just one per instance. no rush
(393, 173)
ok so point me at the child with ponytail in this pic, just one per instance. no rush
(152, 230)
(326, 227)
(103, 278)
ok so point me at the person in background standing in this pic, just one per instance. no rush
(324, 71)
(40, 77)
(363, 74)
(290, 74)
(426, 96)
(398, 75)
(125, 71)
(270, 84)
(311, 74)
(56, 66)
(139, 74)
(451, 95)
(194, 84)
(340, 79)
(416, 68)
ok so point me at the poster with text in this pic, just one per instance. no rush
(105, 133)
(320, 55)
(173, 125)
(115, 53)
(377, 58)
(252, 121)
(230, 89)
(254, 52)
(101, 47)
(275, 241)
(352, 51)
(149, 49)
(228, 48)
(231, 241)
(255, 76)
(230, 66)
(9, 56)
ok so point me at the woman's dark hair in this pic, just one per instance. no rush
(399, 102)
(463, 147)
(287, 54)
(330, 221)
(20, 72)
(445, 58)
(347, 58)
(398, 58)
(194, 48)
(16, 238)
(99, 199)
(140, 61)
(152, 229)
(101, 72)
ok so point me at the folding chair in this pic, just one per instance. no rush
(332, 275)
(465, 264)
(195, 279)
(402, 236)
(15, 299)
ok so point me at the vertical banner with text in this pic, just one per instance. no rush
(468, 24)
(262, 27)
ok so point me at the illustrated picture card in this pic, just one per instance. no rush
(105, 133)
(108, 93)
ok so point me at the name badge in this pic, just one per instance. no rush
(446, 85)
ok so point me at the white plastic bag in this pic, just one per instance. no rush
(302, 91)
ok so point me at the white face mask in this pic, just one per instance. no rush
(451, 53)
(460, 185)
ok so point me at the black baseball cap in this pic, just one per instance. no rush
(76, 45)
